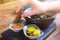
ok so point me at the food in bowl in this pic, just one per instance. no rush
(17, 26)
(40, 16)
(32, 31)
(42, 20)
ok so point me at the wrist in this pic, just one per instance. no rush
(48, 6)
(45, 7)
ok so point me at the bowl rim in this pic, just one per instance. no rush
(32, 37)
(11, 24)
(43, 19)
(10, 27)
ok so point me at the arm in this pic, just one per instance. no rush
(53, 6)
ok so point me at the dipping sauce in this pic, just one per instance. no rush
(18, 26)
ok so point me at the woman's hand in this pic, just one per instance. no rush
(40, 7)
(37, 8)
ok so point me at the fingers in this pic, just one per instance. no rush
(30, 13)
(36, 8)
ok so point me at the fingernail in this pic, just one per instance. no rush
(17, 11)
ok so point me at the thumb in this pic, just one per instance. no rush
(18, 9)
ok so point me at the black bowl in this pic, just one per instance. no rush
(42, 23)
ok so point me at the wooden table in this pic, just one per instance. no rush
(6, 14)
